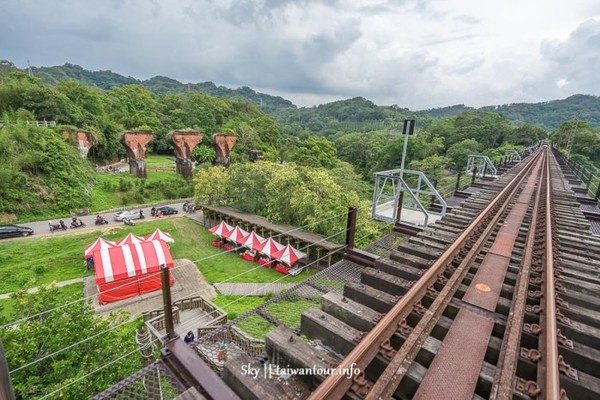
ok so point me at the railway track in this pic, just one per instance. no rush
(498, 300)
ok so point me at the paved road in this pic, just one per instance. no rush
(40, 228)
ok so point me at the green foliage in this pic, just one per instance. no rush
(548, 115)
(432, 166)
(116, 190)
(315, 152)
(39, 337)
(345, 116)
(286, 193)
(41, 173)
(586, 141)
(459, 152)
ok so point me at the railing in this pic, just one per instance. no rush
(588, 175)
(155, 320)
(45, 124)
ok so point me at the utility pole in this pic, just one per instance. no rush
(571, 135)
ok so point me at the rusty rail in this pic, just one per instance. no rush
(552, 389)
(509, 354)
(336, 385)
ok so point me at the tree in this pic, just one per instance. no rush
(459, 153)
(433, 167)
(525, 135)
(315, 152)
(204, 154)
(41, 336)
(212, 185)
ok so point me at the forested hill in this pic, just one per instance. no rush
(548, 115)
(351, 115)
(158, 84)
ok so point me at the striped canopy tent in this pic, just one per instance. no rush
(269, 247)
(237, 235)
(253, 240)
(130, 239)
(159, 235)
(99, 244)
(221, 229)
(130, 270)
(288, 255)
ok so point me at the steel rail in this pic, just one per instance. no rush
(502, 387)
(336, 384)
(389, 380)
(552, 382)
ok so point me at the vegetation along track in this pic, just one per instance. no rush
(498, 300)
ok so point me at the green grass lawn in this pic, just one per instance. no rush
(33, 262)
(288, 312)
(160, 161)
(39, 261)
(118, 190)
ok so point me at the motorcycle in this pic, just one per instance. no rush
(57, 227)
(101, 221)
(128, 221)
(77, 224)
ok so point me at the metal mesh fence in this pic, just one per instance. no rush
(155, 381)
(245, 334)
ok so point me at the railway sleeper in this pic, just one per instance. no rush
(580, 273)
(580, 260)
(249, 388)
(400, 269)
(410, 251)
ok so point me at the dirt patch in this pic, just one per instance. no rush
(7, 218)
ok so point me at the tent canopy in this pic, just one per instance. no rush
(288, 255)
(159, 235)
(237, 235)
(127, 261)
(253, 240)
(130, 239)
(99, 244)
(221, 229)
(268, 247)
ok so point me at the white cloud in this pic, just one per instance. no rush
(415, 53)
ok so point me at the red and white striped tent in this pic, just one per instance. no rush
(237, 235)
(130, 239)
(253, 240)
(130, 270)
(288, 255)
(99, 244)
(221, 229)
(159, 235)
(269, 247)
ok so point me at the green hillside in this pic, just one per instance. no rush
(41, 173)
(158, 84)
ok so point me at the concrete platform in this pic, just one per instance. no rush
(409, 216)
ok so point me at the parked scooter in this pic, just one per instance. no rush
(57, 227)
(128, 221)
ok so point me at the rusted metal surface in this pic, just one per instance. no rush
(552, 381)
(487, 283)
(469, 331)
(507, 364)
(335, 386)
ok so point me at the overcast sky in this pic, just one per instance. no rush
(414, 53)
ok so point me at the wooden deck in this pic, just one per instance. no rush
(286, 230)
